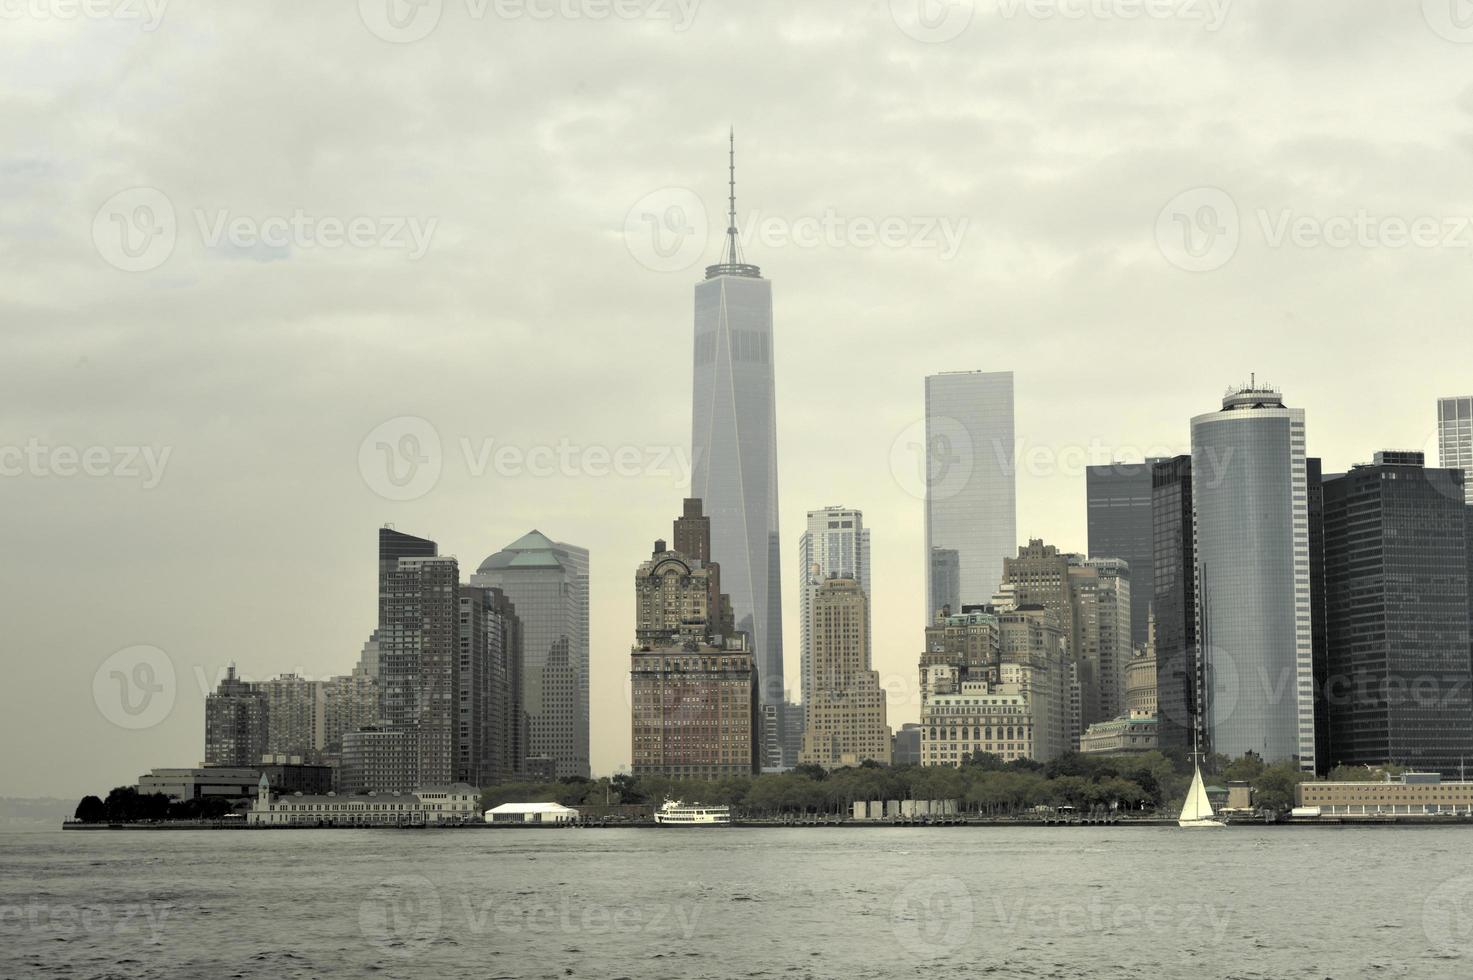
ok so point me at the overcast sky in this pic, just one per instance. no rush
(241, 245)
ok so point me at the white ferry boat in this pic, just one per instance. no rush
(677, 814)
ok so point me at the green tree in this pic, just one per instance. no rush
(1274, 787)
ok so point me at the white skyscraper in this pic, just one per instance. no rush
(1250, 497)
(971, 487)
(835, 545)
(1455, 438)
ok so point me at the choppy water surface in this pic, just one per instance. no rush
(734, 902)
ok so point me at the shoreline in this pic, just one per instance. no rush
(1369, 820)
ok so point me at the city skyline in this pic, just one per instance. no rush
(1059, 272)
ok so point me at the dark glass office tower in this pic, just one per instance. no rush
(1397, 610)
(1174, 600)
(946, 580)
(1122, 525)
(1315, 483)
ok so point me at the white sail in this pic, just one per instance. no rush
(1197, 806)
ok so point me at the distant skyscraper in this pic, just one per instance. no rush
(1178, 673)
(1253, 577)
(296, 711)
(1455, 438)
(971, 490)
(734, 447)
(945, 580)
(547, 582)
(236, 723)
(835, 545)
(1396, 570)
(1121, 526)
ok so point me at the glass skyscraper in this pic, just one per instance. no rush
(1121, 526)
(1175, 604)
(835, 545)
(1455, 438)
(1250, 495)
(1400, 685)
(547, 583)
(734, 449)
(971, 490)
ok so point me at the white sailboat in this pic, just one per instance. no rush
(1197, 811)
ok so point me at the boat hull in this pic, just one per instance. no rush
(1200, 823)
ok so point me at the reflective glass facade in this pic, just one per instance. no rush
(734, 456)
(1400, 687)
(547, 583)
(1250, 494)
(971, 491)
(1121, 526)
(1175, 603)
(1455, 438)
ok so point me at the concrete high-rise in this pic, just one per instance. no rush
(236, 723)
(834, 545)
(547, 582)
(695, 711)
(1455, 438)
(971, 486)
(734, 447)
(1400, 684)
(1253, 577)
(1119, 517)
(845, 718)
(1178, 674)
(488, 713)
(419, 646)
(297, 717)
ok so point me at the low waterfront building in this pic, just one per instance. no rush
(1120, 736)
(1412, 794)
(511, 813)
(195, 784)
(457, 804)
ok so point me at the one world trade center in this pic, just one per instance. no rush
(734, 446)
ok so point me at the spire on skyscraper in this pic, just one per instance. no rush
(731, 263)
